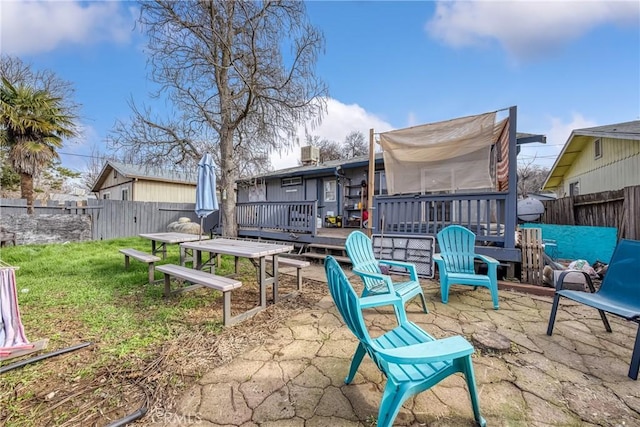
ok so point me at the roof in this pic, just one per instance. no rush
(577, 141)
(144, 172)
(330, 166)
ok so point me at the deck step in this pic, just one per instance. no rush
(326, 247)
(315, 255)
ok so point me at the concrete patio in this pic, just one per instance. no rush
(577, 377)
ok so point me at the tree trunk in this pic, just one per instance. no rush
(26, 190)
(229, 176)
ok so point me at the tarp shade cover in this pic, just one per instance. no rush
(453, 155)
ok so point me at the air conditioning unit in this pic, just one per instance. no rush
(310, 155)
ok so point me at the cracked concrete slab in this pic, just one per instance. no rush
(576, 377)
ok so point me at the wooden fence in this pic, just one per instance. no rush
(110, 218)
(620, 209)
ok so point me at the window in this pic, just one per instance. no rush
(330, 191)
(574, 188)
(125, 194)
(115, 174)
(106, 196)
(296, 180)
(597, 148)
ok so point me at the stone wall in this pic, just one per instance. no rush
(48, 228)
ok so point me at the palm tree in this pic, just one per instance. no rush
(32, 124)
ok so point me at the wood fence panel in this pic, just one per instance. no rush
(118, 218)
(532, 259)
(109, 218)
(619, 209)
(631, 213)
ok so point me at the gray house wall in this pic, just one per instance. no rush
(312, 188)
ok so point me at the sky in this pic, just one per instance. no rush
(389, 64)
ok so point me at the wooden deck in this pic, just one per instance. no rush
(489, 215)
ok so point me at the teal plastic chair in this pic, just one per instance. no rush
(411, 359)
(456, 263)
(619, 293)
(360, 251)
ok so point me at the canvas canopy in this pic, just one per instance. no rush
(453, 155)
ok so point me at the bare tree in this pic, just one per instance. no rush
(355, 145)
(234, 91)
(16, 71)
(328, 150)
(531, 177)
(97, 160)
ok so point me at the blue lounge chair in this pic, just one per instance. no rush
(411, 359)
(619, 294)
(456, 263)
(365, 265)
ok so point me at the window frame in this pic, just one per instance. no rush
(106, 195)
(574, 188)
(597, 148)
(124, 191)
(291, 181)
(330, 190)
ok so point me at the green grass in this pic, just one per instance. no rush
(80, 292)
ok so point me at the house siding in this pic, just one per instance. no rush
(312, 189)
(617, 168)
(156, 191)
(113, 184)
(290, 193)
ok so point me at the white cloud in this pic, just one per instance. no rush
(525, 28)
(557, 136)
(31, 27)
(339, 120)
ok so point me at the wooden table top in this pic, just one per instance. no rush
(173, 237)
(240, 248)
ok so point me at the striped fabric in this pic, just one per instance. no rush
(12, 336)
(502, 169)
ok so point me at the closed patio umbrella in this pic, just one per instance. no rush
(206, 199)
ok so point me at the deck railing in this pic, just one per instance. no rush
(289, 217)
(483, 213)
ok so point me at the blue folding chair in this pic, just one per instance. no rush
(619, 293)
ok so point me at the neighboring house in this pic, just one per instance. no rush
(120, 181)
(602, 158)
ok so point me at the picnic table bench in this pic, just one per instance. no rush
(6, 237)
(149, 259)
(200, 279)
(299, 264)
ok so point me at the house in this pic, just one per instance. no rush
(596, 159)
(311, 204)
(121, 181)
(336, 185)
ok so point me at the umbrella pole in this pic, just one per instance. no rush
(201, 220)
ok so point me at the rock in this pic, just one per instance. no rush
(184, 227)
(491, 341)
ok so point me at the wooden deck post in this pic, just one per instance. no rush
(371, 188)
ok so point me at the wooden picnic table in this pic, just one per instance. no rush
(159, 242)
(257, 252)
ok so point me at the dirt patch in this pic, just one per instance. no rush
(128, 383)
